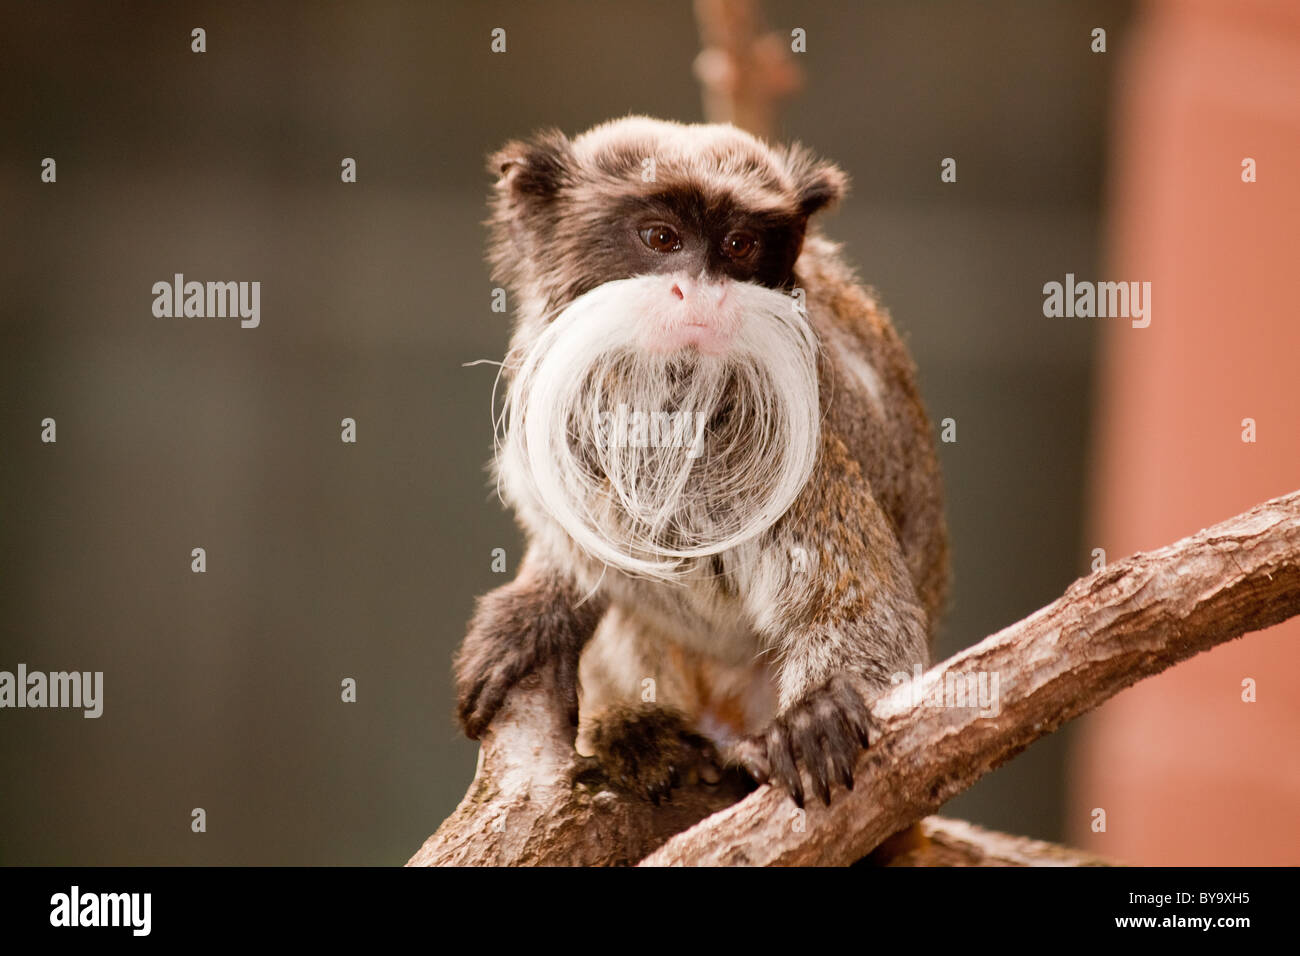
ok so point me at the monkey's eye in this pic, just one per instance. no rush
(661, 238)
(739, 244)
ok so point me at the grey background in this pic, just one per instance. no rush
(328, 560)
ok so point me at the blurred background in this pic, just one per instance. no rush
(328, 560)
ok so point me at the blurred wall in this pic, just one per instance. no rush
(328, 560)
(1186, 769)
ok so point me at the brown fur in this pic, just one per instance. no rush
(772, 648)
(547, 622)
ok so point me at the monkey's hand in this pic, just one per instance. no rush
(537, 621)
(823, 734)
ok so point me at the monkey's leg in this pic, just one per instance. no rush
(647, 745)
(824, 720)
(539, 620)
(647, 750)
(855, 622)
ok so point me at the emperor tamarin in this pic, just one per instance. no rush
(713, 441)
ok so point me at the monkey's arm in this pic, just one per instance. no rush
(539, 621)
(855, 621)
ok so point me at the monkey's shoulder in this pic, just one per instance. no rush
(834, 291)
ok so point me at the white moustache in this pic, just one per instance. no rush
(750, 399)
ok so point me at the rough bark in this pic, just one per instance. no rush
(936, 841)
(1126, 622)
(533, 801)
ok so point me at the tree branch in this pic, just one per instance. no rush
(533, 801)
(1109, 630)
(744, 71)
(1125, 622)
(936, 841)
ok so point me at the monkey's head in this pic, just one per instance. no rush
(662, 403)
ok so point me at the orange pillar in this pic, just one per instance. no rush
(1185, 770)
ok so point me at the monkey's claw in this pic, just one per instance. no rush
(495, 670)
(822, 735)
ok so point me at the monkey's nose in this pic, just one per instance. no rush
(697, 292)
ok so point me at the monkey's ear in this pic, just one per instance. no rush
(537, 168)
(817, 183)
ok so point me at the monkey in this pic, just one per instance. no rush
(713, 440)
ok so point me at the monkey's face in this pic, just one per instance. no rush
(662, 402)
